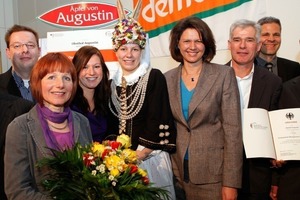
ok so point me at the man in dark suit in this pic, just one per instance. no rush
(285, 182)
(271, 41)
(290, 96)
(287, 70)
(258, 89)
(11, 107)
(23, 51)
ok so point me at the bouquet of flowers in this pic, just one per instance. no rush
(106, 170)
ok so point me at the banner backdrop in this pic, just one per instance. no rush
(159, 16)
(68, 42)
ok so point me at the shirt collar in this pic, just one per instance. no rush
(134, 77)
(262, 62)
(18, 79)
(247, 76)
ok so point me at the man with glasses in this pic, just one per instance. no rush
(15, 96)
(23, 51)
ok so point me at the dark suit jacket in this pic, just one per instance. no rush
(290, 96)
(287, 177)
(265, 89)
(8, 84)
(265, 92)
(287, 69)
(11, 107)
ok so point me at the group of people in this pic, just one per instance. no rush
(185, 125)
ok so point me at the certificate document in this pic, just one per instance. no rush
(274, 134)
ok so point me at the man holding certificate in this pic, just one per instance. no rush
(285, 180)
(258, 88)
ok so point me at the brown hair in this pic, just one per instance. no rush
(18, 28)
(102, 91)
(49, 63)
(269, 20)
(204, 31)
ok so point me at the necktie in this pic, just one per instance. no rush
(269, 66)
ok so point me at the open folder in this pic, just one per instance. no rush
(274, 134)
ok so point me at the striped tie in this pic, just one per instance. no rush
(269, 66)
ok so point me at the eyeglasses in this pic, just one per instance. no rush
(18, 46)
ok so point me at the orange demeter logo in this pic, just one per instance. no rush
(160, 15)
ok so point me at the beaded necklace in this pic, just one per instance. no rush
(134, 107)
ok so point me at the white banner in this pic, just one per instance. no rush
(219, 24)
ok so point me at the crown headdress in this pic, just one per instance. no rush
(128, 30)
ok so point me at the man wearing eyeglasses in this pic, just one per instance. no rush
(23, 51)
(15, 96)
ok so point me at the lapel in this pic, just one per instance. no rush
(175, 93)
(7, 114)
(10, 84)
(257, 87)
(282, 69)
(295, 87)
(76, 126)
(206, 81)
(12, 106)
(35, 129)
(10, 110)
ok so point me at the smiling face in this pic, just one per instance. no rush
(243, 46)
(91, 75)
(56, 90)
(270, 38)
(191, 46)
(129, 56)
(23, 58)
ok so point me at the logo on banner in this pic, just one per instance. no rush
(160, 16)
(82, 15)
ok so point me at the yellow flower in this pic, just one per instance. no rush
(115, 172)
(114, 162)
(124, 140)
(129, 155)
(142, 172)
(98, 149)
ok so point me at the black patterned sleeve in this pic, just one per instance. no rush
(159, 130)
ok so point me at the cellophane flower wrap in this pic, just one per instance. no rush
(106, 170)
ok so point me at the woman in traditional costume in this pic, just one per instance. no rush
(139, 102)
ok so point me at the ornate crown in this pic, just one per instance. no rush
(128, 30)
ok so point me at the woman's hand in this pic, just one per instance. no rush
(229, 193)
(142, 154)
